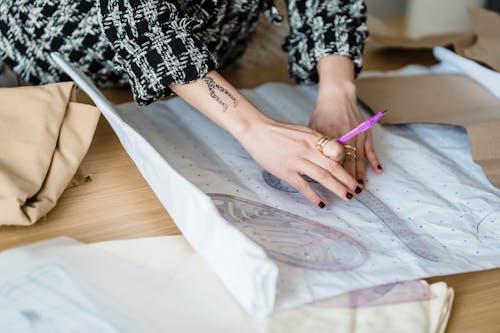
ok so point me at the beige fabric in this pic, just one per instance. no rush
(173, 259)
(44, 136)
(486, 48)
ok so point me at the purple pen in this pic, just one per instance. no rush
(364, 126)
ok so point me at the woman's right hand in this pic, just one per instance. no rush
(289, 151)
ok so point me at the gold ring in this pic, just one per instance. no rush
(351, 153)
(350, 147)
(321, 143)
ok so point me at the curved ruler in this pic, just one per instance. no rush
(292, 239)
(392, 293)
(413, 241)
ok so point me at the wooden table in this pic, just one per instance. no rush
(118, 204)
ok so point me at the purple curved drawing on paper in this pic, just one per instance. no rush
(292, 239)
(413, 241)
(392, 293)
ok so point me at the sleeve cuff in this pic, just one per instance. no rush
(338, 38)
(154, 62)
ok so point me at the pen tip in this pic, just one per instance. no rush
(385, 111)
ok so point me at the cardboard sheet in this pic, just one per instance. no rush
(457, 92)
(382, 35)
(484, 139)
(453, 99)
(482, 44)
(486, 47)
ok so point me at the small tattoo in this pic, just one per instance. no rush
(212, 86)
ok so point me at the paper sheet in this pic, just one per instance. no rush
(270, 247)
(39, 295)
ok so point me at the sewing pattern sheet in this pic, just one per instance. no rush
(433, 211)
(39, 295)
(439, 213)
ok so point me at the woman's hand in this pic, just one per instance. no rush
(289, 151)
(336, 113)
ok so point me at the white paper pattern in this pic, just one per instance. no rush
(38, 295)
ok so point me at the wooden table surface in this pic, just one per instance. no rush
(118, 204)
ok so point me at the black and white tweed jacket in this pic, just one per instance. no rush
(153, 43)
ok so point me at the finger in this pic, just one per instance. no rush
(370, 154)
(361, 162)
(350, 160)
(350, 163)
(360, 170)
(336, 171)
(306, 190)
(325, 178)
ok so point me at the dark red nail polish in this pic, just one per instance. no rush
(321, 204)
(349, 196)
(357, 190)
(360, 181)
(379, 167)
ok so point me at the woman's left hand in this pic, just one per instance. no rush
(336, 113)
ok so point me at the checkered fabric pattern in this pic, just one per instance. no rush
(319, 28)
(31, 29)
(153, 43)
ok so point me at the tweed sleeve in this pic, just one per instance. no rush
(320, 28)
(154, 45)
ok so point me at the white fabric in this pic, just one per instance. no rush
(430, 181)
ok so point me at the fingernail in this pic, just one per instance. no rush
(321, 204)
(379, 167)
(360, 181)
(349, 196)
(357, 190)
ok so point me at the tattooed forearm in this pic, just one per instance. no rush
(212, 86)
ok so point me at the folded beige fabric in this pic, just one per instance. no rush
(191, 282)
(44, 135)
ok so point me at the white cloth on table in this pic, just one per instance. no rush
(271, 248)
